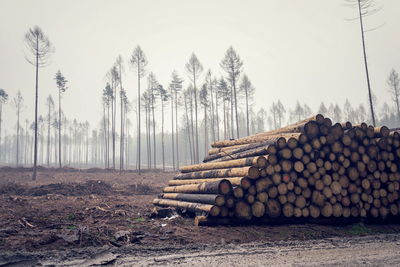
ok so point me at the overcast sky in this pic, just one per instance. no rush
(292, 50)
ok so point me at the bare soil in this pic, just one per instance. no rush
(69, 216)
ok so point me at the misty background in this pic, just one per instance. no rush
(292, 51)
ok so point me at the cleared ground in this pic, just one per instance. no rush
(72, 216)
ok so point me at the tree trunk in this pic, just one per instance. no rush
(48, 137)
(216, 113)
(197, 129)
(212, 199)
(1, 120)
(162, 133)
(36, 108)
(247, 113)
(172, 131)
(193, 132)
(188, 129)
(236, 107)
(250, 172)
(154, 130)
(223, 187)
(18, 109)
(192, 207)
(177, 130)
(105, 136)
(205, 129)
(138, 132)
(259, 161)
(366, 64)
(59, 129)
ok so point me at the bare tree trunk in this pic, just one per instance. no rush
(172, 131)
(18, 110)
(395, 89)
(205, 130)
(366, 64)
(1, 120)
(231, 123)
(224, 111)
(177, 130)
(121, 146)
(108, 136)
(189, 134)
(138, 132)
(236, 108)
(154, 131)
(36, 108)
(148, 137)
(48, 137)
(162, 133)
(59, 128)
(216, 113)
(193, 132)
(113, 111)
(197, 129)
(212, 118)
(105, 136)
(55, 145)
(247, 113)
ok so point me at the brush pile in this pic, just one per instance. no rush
(311, 169)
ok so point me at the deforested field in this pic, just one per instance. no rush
(94, 216)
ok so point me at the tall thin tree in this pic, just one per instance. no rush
(164, 96)
(232, 65)
(139, 62)
(3, 100)
(61, 83)
(176, 88)
(194, 69)
(50, 106)
(40, 48)
(247, 88)
(18, 100)
(394, 88)
(365, 8)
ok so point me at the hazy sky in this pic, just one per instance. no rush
(292, 50)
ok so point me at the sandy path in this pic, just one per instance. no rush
(381, 250)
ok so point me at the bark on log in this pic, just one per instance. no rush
(211, 199)
(259, 162)
(297, 127)
(223, 187)
(251, 172)
(212, 210)
(250, 140)
(269, 147)
(233, 180)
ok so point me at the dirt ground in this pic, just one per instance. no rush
(90, 217)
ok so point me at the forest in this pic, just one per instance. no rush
(200, 107)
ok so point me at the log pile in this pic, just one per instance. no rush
(311, 169)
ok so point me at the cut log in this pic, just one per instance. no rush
(259, 162)
(213, 151)
(223, 187)
(212, 210)
(242, 210)
(297, 127)
(250, 140)
(233, 180)
(250, 172)
(258, 209)
(273, 208)
(211, 199)
(263, 148)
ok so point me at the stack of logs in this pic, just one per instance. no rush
(311, 169)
